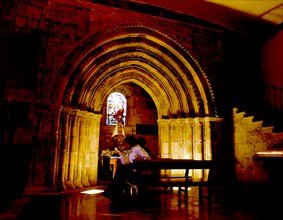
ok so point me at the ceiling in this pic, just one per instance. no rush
(252, 17)
(271, 11)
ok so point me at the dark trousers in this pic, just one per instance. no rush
(124, 173)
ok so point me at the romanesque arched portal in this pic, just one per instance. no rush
(148, 58)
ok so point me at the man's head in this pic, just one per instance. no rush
(141, 141)
(130, 141)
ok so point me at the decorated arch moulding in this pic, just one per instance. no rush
(141, 50)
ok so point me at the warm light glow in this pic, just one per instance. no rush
(270, 10)
(93, 191)
(270, 153)
(177, 188)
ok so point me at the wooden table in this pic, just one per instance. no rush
(179, 181)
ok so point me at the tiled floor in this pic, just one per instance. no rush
(155, 205)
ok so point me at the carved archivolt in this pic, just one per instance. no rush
(149, 58)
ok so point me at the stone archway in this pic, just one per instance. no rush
(150, 59)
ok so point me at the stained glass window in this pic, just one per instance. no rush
(116, 108)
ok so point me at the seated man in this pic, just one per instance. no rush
(128, 153)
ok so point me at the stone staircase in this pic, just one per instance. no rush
(252, 125)
(251, 136)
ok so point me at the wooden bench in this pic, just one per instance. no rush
(151, 175)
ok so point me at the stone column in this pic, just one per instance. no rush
(197, 146)
(207, 148)
(55, 144)
(64, 149)
(197, 140)
(83, 149)
(73, 149)
(80, 143)
(163, 138)
(94, 129)
(88, 163)
(174, 141)
(207, 151)
(190, 139)
(186, 139)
